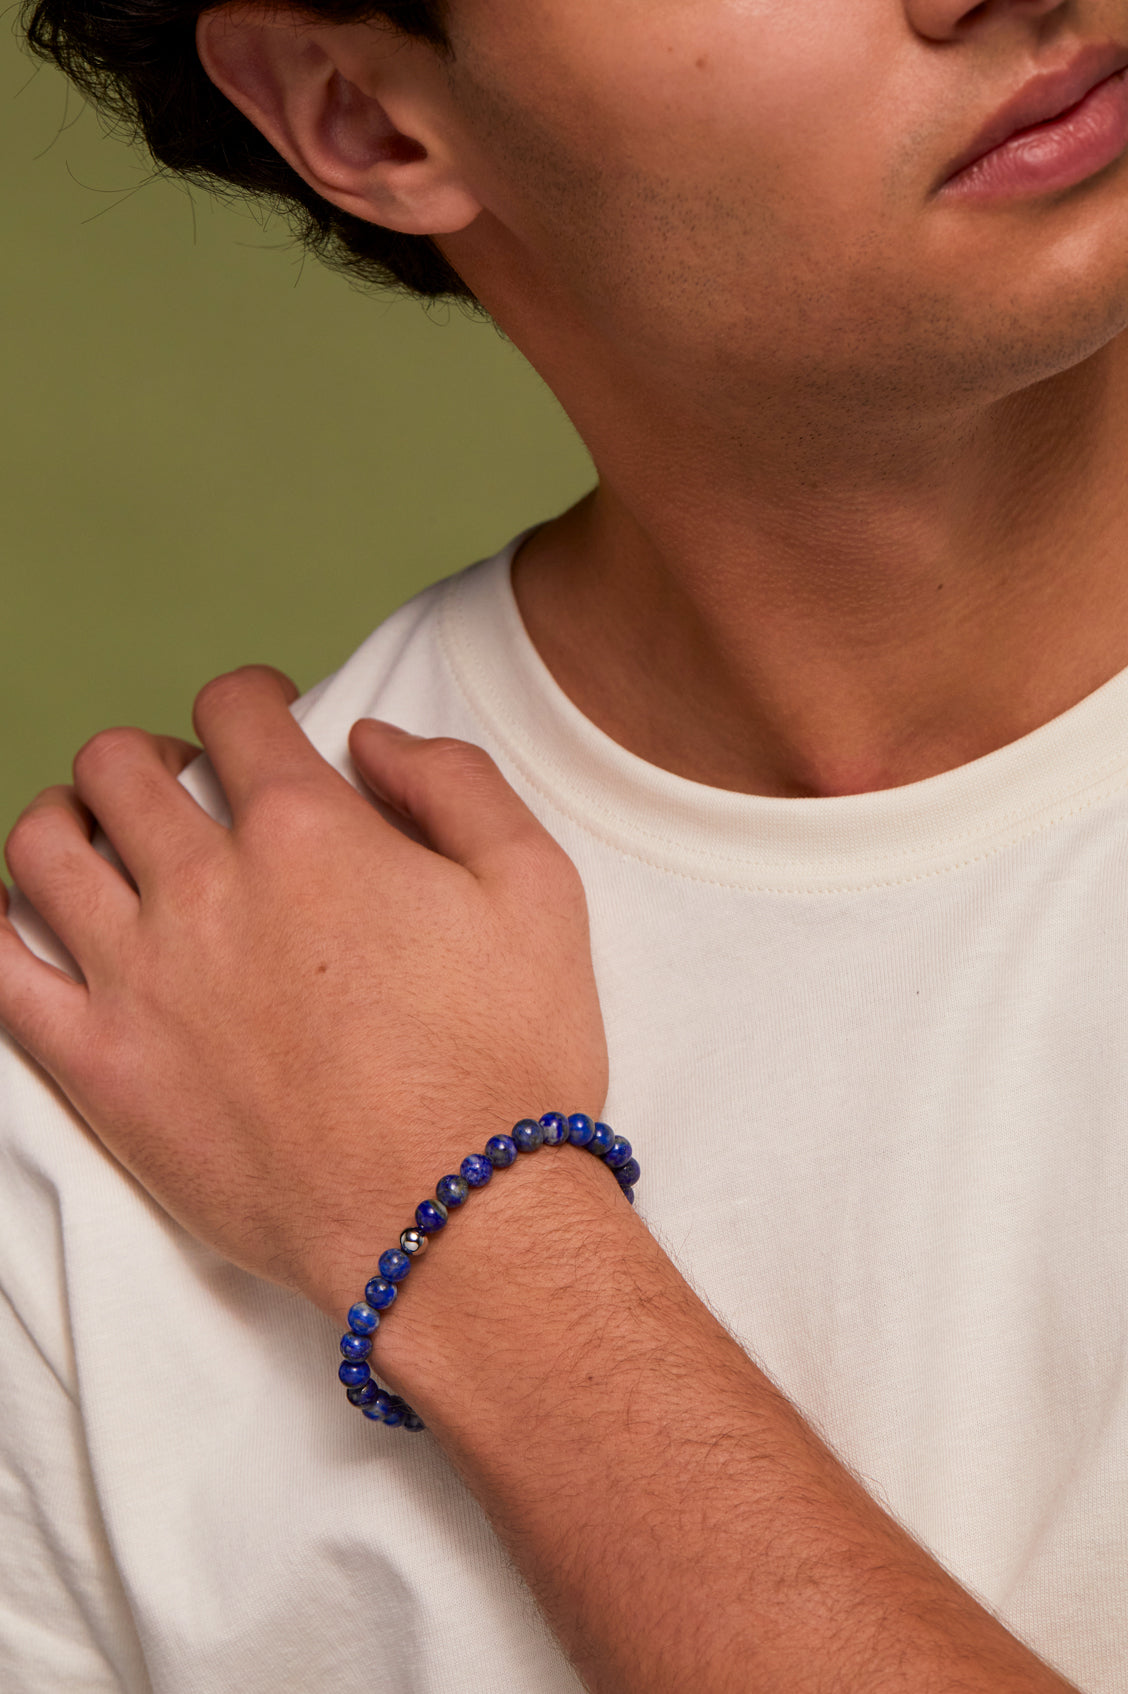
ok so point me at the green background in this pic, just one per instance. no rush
(213, 450)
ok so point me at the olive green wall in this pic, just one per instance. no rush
(211, 452)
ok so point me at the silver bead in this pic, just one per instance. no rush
(413, 1241)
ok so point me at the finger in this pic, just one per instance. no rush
(453, 791)
(81, 897)
(251, 737)
(127, 778)
(175, 755)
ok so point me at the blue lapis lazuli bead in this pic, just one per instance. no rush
(618, 1153)
(393, 1417)
(476, 1170)
(452, 1190)
(378, 1407)
(528, 1135)
(430, 1215)
(501, 1150)
(555, 1126)
(412, 1420)
(627, 1175)
(394, 1265)
(364, 1395)
(363, 1319)
(601, 1138)
(355, 1346)
(580, 1129)
(352, 1375)
(629, 1192)
(379, 1293)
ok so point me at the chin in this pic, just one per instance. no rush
(1042, 295)
(1028, 348)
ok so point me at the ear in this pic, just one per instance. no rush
(356, 109)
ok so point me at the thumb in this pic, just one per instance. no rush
(452, 790)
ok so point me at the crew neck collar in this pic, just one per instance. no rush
(896, 835)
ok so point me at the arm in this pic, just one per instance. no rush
(679, 1523)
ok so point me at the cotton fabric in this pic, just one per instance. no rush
(873, 1055)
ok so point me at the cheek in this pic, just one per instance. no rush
(747, 133)
(737, 168)
(748, 225)
(756, 94)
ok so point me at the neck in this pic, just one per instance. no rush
(814, 601)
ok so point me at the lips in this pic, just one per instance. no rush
(1045, 97)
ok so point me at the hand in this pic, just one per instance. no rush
(290, 1029)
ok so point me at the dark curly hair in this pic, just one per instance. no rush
(137, 61)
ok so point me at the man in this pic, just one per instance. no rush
(823, 694)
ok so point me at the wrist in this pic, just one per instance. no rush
(337, 1264)
(501, 1289)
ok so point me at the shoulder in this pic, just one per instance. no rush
(401, 672)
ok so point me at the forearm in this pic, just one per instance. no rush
(679, 1523)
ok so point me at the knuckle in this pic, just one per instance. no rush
(541, 862)
(40, 866)
(106, 750)
(459, 759)
(231, 689)
(289, 810)
(223, 693)
(26, 839)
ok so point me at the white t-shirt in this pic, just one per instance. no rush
(873, 1054)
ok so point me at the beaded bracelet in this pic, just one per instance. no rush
(501, 1151)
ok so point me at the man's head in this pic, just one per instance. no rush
(729, 193)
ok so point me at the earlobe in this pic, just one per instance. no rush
(324, 95)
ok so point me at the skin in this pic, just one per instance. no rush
(859, 495)
(860, 500)
(839, 484)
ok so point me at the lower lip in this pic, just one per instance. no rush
(1054, 155)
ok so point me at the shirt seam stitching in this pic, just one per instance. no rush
(515, 745)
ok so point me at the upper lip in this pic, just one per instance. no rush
(1045, 96)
